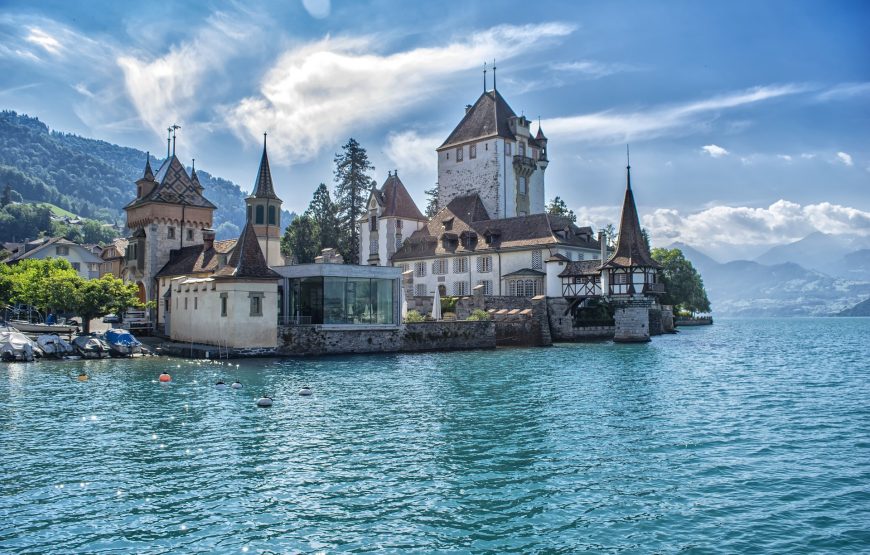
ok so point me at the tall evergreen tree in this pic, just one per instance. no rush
(324, 213)
(557, 207)
(352, 185)
(431, 202)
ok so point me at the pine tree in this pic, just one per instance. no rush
(431, 201)
(324, 213)
(351, 189)
(557, 207)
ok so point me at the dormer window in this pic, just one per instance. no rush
(448, 223)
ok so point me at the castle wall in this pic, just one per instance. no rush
(483, 175)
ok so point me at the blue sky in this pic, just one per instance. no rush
(748, 121)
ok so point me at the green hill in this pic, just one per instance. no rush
(93, 178)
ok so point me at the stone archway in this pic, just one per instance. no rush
(141, 287)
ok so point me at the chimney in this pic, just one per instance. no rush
(602, 240)
(467, 108)
(207, 239)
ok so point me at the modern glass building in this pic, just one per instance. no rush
(339, 295)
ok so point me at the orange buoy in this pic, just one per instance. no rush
(165, 377)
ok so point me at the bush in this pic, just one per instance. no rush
(478, 315)
(413, 316)
(448, 304)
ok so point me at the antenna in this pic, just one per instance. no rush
(264, 140)
(484, 76)
(493, 74)
(627, 158)
(168, 140)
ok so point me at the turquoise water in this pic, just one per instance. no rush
(747, 436)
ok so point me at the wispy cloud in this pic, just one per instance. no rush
(319, 91)
(165, 89)
(715, 151)
(40, 38)
(781, 222)
(614, 126)
(845, 158)
(594, 69)
(845, 91)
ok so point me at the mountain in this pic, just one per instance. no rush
(860, 309)
(94, 178)
(818, 251)
(749, 288)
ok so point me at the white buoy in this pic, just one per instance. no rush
(220, 385)
(264, 401)
(236, 385)
(305, 391)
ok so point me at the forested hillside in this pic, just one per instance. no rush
(93, 178)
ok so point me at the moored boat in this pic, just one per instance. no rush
(53, 345)
(122, 343)
(17, 346)
(91, 346)
(28, 327)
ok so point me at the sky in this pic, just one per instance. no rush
(749, 122)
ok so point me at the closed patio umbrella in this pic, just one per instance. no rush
(436, 305)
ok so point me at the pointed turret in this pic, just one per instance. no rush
(631, 248)
(149, 175)
(264, 212)
(263, 188)
(194, 179)
(247, 260)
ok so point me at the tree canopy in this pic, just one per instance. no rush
(684, 287)
(52, 285)
(557, 207)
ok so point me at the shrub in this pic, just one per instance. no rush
(478, 314)
(448, 304)
(413, 316)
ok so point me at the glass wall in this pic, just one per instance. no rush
(340, 300)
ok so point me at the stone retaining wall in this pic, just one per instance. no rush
(422, 336)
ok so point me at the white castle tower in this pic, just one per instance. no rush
(492, 153)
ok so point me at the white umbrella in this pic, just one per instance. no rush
(436, 305)
(404, 303)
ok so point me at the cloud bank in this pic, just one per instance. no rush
(316, 91)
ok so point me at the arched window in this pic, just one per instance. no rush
(260, 215)
(272, 216)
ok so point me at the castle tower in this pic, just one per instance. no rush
(169, 212)
(630, 276)
(492, 153)
(264, 213)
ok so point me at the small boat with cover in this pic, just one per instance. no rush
(122, 343)
(91, 346)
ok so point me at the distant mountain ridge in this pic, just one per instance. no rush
(860, 309)
(749, 288)
(94, 178)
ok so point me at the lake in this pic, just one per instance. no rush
(749, 435)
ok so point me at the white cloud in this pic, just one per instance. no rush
(845, 158)
(781, 222)
(316, 8)
(715, 151)
(594, 69)
(613, 126)
(413, 153)
(164, 90)
(786, 157)
(40, 38)
(317, 92)
(808, 156)
(845, 91)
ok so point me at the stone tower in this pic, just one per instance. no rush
(264, 212)
(492, 153)
(169, 212)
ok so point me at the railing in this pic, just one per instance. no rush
(526, 161)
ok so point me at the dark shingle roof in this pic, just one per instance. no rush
(582, 268)
(264, 188)
(247, 260)
(631, 249)
(173, 187)
(466, 217)
(489, 116)
(194, 259)
(396, 200)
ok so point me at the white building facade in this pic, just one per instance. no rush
(391, 217)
